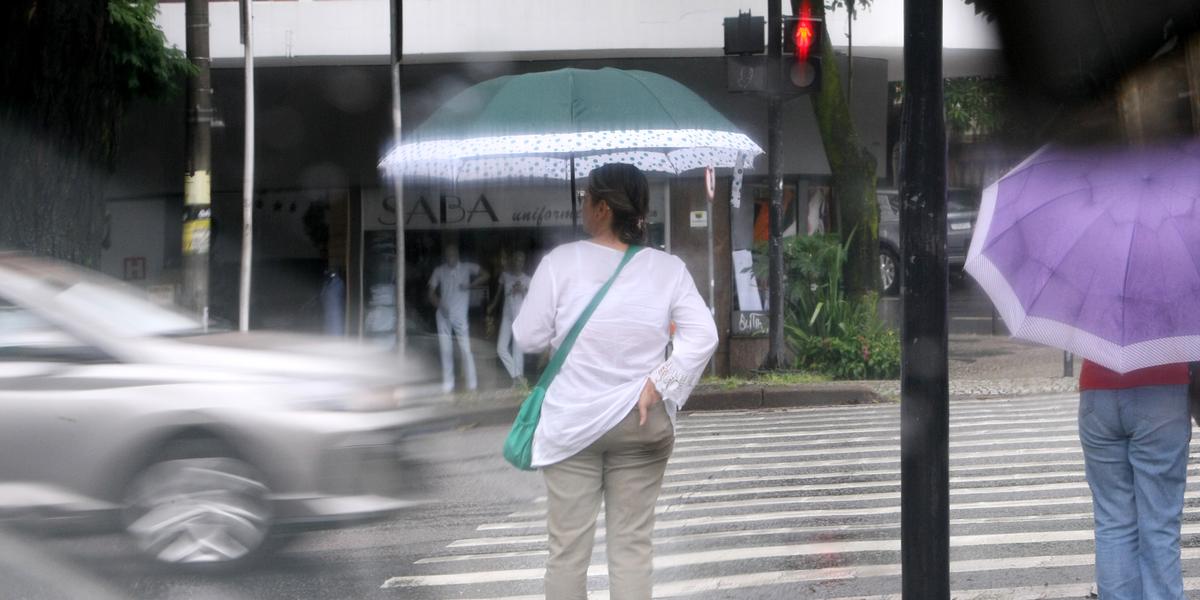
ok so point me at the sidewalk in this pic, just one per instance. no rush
(984, 365)
(981, 366)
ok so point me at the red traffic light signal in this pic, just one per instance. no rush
(804, 34)
(802, 37)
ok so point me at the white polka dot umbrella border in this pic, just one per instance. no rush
(549, 155)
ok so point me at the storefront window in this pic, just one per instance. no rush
(486, 223)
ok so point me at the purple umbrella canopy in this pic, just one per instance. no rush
(1097, 252)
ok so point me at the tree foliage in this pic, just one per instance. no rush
(987, 8)
(140, 54)
(974, 105)
(68, 69)
(977, 106)
(852, 6)
(986, 107)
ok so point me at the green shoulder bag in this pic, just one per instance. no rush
(518, 447)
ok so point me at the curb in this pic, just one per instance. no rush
(456, 417)
(501, 408)
(756, 397)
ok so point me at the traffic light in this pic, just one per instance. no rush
(744, 34)
(802, 39)
(745, 41)
(796, 74)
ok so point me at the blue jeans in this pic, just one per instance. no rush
(1135, 450)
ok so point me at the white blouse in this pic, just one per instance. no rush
(622, 345)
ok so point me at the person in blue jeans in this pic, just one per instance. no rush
(1135, 429)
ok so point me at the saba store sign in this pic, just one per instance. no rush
(506, 207)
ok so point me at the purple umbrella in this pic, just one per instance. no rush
(1097, 252)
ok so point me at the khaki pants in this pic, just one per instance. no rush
(624, 467)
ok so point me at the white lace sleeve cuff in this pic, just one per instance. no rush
(672, 383)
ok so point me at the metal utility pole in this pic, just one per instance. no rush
(710, 192)
(197, 181)
(247, 14)
(775, 174)
(398, 181)
(924, 383)
(574, 198)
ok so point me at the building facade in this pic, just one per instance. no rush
(324, 120)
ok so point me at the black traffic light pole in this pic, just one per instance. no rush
(775, 175)
(743, 37)
(924, 385)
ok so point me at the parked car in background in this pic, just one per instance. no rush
(962, 206)
(116, 412)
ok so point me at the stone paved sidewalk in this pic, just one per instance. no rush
(981, 366)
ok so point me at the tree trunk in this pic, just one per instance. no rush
(853, 169)
(58, 117)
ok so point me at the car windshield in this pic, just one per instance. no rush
(956, 201)
(120, 309)
(123, 312)
(962, 200)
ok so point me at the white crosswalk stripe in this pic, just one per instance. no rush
(806, 503)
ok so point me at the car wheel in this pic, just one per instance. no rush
(889, 272)
(201, 512)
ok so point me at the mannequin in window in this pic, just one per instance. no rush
(514, 283)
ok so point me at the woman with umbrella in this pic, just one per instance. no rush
(1097, 252)
(607, 420)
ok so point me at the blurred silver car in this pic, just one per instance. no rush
(117, 412)
(962, 206)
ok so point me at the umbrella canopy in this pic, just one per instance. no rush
(1097, 252)
(535, 125)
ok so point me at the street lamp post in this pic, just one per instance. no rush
(247, 20)
(397, 181)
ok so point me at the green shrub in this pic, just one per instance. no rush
(866, 355)
(809, 274)
(829, 332)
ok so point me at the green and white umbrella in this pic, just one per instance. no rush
(564, 123)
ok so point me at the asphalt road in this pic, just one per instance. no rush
(767, 504)
(469, 484)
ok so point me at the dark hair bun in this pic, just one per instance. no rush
(625, 190)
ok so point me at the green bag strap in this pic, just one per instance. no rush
(560, 356)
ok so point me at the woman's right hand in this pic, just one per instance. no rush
(647, 400)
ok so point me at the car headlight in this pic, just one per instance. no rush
(374, 399)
